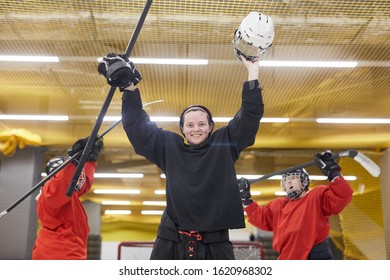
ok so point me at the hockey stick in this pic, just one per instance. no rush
(106, 104)
(62, 166)
(55, 171)
(362, 159)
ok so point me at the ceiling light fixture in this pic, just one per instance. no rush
(216, 119)
(160, 192)
(337, 64)
(353, 120)
(170, 61)
(155, 203)
(25, 58)
(113, 175)
(115, 202)
(117, 212)
(166, 61)
(279, 177)
(119, 175)
(263, 120)
(152, 212)
(34, 117)
(105, 191)
(280, 193)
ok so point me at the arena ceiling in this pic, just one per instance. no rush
(79, 32)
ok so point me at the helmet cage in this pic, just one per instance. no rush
(303, 178)
(53, 164)
(247, 50)
(254, 36)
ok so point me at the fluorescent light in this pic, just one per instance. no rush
(119, 175)
(280, 193)
(155, 203)
(215, 119)
(159, 192)
(153, 119)
(170, 61)
(115, 202)
(111, 118)
(342, 64)
(254, 177)
(274, 120)
(113, 175)
(279, 177)
(166, 61)
(24, 58)
(34, 117)
(255, 192)
(263, 120)
(322, 178)
(165, 119)
(353, 121)
(222, 119)
(117, 212)
(105, 191)
(152, 212)
(350, 178)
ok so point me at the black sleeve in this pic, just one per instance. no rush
(245, 124)
(144, 135)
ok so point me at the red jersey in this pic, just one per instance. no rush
(300, 224)
(65, 229)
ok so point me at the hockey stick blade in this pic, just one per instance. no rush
(365, 162)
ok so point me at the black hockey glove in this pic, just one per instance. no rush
(96, 150)
(327, 165)
(119, 71)
(79, 146)
(245, 191)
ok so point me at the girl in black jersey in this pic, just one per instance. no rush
(203, 199)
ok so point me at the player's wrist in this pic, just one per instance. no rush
(247, 202)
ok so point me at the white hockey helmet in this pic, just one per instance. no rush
(254, 36)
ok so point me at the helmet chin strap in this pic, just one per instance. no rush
(295, 194)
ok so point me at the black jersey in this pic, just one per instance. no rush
(201, 185)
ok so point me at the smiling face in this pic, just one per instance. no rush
(196, 127)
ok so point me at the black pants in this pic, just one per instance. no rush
(191, 250)
(321, 251)
(172, 244)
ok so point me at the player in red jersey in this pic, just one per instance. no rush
(300, 221)
(64, 232)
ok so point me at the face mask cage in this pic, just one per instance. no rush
(250, 52)
(295, 193)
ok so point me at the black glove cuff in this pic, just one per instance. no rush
(75, 161)
(333, 173)
(247, 202)
(251, 85)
